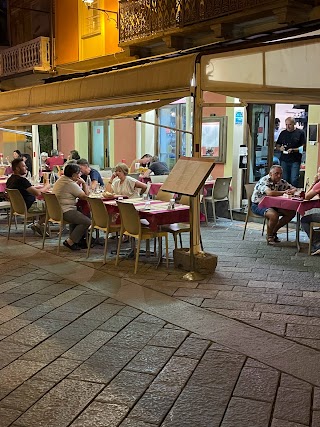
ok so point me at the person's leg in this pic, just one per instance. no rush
(273, 220)
(285, 170)
(79, 224)
(286, 217)
(294, 175)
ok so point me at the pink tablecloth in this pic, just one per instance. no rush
(300, 206)
(3, 184)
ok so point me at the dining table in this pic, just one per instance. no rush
(297, 204)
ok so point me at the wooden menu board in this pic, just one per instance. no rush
(188, 175)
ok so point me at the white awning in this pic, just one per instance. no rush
(274, 73)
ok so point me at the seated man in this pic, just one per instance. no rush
(29, 193)
(272, 185)
(158, 168)
(313, 191)
(94, 175)
(54, 160)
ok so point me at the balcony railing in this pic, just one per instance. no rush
(30, 56)
(145, 18)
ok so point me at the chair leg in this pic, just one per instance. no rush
(245, 228)
(9, 226)
(105, 247)
(137, 256)
(24, 230)
(90, 240)
(310, 239)
(167, 250)
(287, 232)
(264, 223)
(230, 210)
(118, 249)
(205, 211)
(60, 235)
(214, 212)
(44, 232)
(201, 244)
(180, 238)
(175, 240)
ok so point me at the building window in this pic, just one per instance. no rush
(91, 21)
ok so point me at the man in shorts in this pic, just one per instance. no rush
(272, 185)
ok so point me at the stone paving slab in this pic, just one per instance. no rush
(99, 347)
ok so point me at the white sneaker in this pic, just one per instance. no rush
(316, 252)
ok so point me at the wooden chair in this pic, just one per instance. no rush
(158, 178)
(53, 215)
(18, 208)
(220, 193)
(100, 221)
(179, 227)
(313, 225)
(164, 196)
(131, 226)
(249, 191)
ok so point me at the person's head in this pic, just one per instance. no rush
(146, 158)
(17, 154)
(54, 153)
(84, 166)
(74, 155)
(44, 156)
(290, 122)
(154, 159)
(72, 170)
(18, 166)
(276, 123)
(121, 170)
(275, 173)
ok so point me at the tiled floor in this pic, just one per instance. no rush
(82, 344)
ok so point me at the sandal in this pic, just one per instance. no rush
(270, 240)
(276, 238)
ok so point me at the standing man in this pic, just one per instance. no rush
(272, 185)
(29, 193)
(289, 142)
(94, 175)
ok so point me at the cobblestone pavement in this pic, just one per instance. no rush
(87, 344)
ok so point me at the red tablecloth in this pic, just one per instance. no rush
(3, 184)
(300, 206)
(156, 216)
(154, 188)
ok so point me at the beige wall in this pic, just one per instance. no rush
(312, 151)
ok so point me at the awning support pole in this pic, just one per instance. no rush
(35, 150)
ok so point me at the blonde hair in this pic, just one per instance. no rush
(123, 167)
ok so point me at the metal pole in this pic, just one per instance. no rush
(35, 150)
(162, 126)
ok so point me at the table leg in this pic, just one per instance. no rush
(298, 231)
(160, 251)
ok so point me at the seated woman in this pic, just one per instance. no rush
(67, 189)
(121, 183)
(313, 191)
(44, 156)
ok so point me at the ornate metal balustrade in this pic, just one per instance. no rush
(145, 18)
(30, 56)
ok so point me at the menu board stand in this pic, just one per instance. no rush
(187, 177)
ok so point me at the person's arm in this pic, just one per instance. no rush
(146, 174)
(313, 191)
(141, 185)
(38, 191)
(275, 193)
(84, 193)
(109, 187)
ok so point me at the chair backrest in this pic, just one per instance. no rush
(185, 200)
(249, 191)
(96, 167)
(130, 219)
(221, 188)
(53, 207)
(100, 216)
(17, 202)
(106, 173)
(134, 175)
(164, 196)
(158, 178)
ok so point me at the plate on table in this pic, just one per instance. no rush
(300, 199)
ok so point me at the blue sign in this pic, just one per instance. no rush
(238, 118)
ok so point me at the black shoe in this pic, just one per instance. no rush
(276, 238)
(73, 247)
(82, 244)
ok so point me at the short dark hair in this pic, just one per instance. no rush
(15, 163)
(70, 169)
(83, 162)
(18, 152)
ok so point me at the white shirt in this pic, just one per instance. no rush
(67, 192)
(127, 188)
